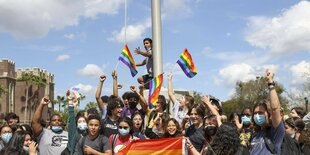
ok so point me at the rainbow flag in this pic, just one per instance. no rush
(127, 59)
(154, 90)
(187, 64)
(75, 92)
(158, 146)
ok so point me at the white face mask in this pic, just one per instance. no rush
(82, 126)
(26, 148)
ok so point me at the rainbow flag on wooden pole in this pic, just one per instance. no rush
(161, 146)
(128, 60)
(187, 64)
(154, 90)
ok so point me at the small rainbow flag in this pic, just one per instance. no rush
(127, 59)
(187, 64)
(154, 90)
(75, 92)
(158, 146)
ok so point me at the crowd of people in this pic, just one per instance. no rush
(259, 130)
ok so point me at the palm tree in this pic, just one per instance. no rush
(91, 105)
(59, 101)
(31, 79)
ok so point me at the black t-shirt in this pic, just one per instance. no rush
(109, 127)
(196, 136)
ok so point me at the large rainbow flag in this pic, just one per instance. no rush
(154, 90)
(161, 146)
(128, 60)
(187, 64)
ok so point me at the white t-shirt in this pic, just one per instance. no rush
(51, 143)
(178, 113)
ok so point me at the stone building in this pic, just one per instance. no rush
(15, 98)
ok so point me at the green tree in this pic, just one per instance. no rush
(91, 105)
(60, 100)
(31, 79)
(3, 90)
(247, 93)
(197, 97)
(64, 113)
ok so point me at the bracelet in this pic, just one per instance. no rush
(271, 85)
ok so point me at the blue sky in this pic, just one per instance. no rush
(77, 40)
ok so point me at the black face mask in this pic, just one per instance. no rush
(210, 130)
(132, 105)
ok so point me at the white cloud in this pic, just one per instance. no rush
(35, 18)
(84, 88)
(63, 57)
(69, 36)
(91, 70)
(172, 67)
(133, 32)
(176, 8)
(253, 58)
(236, 72)
(300, 72)
(287, 33)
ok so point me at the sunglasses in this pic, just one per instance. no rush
(123, 127)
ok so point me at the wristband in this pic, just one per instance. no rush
(271, 85)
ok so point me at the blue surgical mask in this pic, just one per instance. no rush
(123, 132)
(56, 128)
(259, 119)
(246, 120)
(82, 126)
(6, 137)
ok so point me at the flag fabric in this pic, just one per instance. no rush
(187, 64)
(128, 60)
(159, 146)
(154, 90)
(75, 92)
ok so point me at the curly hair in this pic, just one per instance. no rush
(226, 140)
(305, 136)
(114, 102)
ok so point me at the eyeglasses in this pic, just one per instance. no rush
(123, 127)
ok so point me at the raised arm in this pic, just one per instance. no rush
(274, 100)
(170, 90)
(142, 100)
(206, 101)
(72, 104)
(115, 89)
(35, 123)
(145, 54)
(101, 104)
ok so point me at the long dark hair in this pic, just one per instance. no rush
(226, 140)
(128, 121)
(141, 129)
(178, 130)
(15, 145)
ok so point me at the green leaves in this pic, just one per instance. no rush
(33, 79)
